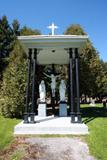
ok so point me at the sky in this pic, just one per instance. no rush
(38, 14)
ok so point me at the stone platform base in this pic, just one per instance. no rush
(42, 110)
(51, 125)
(63, 110)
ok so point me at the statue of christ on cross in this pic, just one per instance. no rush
(53, 27)
(53, 82)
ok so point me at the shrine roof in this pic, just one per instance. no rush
(53, 38)
(53, 48)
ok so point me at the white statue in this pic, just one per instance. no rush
(53, 83)
(62, 90)
(42, 91)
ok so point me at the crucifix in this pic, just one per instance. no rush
(53, 27)
(53, 78)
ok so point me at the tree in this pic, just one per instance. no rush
(6, 44)
(92, 76)
(16, 28)
(102, 79)
(13, 90)
(75, 30)
(28, 31)
(6, 37)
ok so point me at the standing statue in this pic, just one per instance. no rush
(62, 90)
(42, 91)
(53, 83)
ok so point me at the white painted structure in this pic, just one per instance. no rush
(52, 49)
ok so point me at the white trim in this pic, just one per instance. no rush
(53, 37)
(42, 41)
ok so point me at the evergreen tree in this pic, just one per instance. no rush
(92, 76)
(12, 98)
(16, 28)
(6, 37)
(6, 44)
(13, 91)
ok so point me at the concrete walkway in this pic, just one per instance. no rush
(61, 148)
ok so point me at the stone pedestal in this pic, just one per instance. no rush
(42, 109)
(63, 109)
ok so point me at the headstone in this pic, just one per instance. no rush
(104, 103)
(92, 104)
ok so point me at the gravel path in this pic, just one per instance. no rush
(61, 148)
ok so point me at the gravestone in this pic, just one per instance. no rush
(92, 104)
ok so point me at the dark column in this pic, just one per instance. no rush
(77, 85)
(71, 85)
(68, 90)
(53, 98)
(32, 114)
(26, 114)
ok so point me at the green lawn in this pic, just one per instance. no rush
(6, 130)
(94, 117)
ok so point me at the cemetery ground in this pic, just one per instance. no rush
(17, 148)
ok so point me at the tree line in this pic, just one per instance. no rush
(13, 67)
(8, 37)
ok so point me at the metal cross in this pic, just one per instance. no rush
(53, 27)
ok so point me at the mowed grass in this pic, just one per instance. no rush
(94, 117)
(6, 130)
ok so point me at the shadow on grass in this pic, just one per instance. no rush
(90, 113)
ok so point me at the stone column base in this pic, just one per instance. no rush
(42, 109)
(63, 109)
(32, 118)
(26, 117)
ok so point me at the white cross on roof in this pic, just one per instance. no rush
(52, 27)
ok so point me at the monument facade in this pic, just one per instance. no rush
(39, 50)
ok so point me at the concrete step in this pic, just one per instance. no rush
(51, 125)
